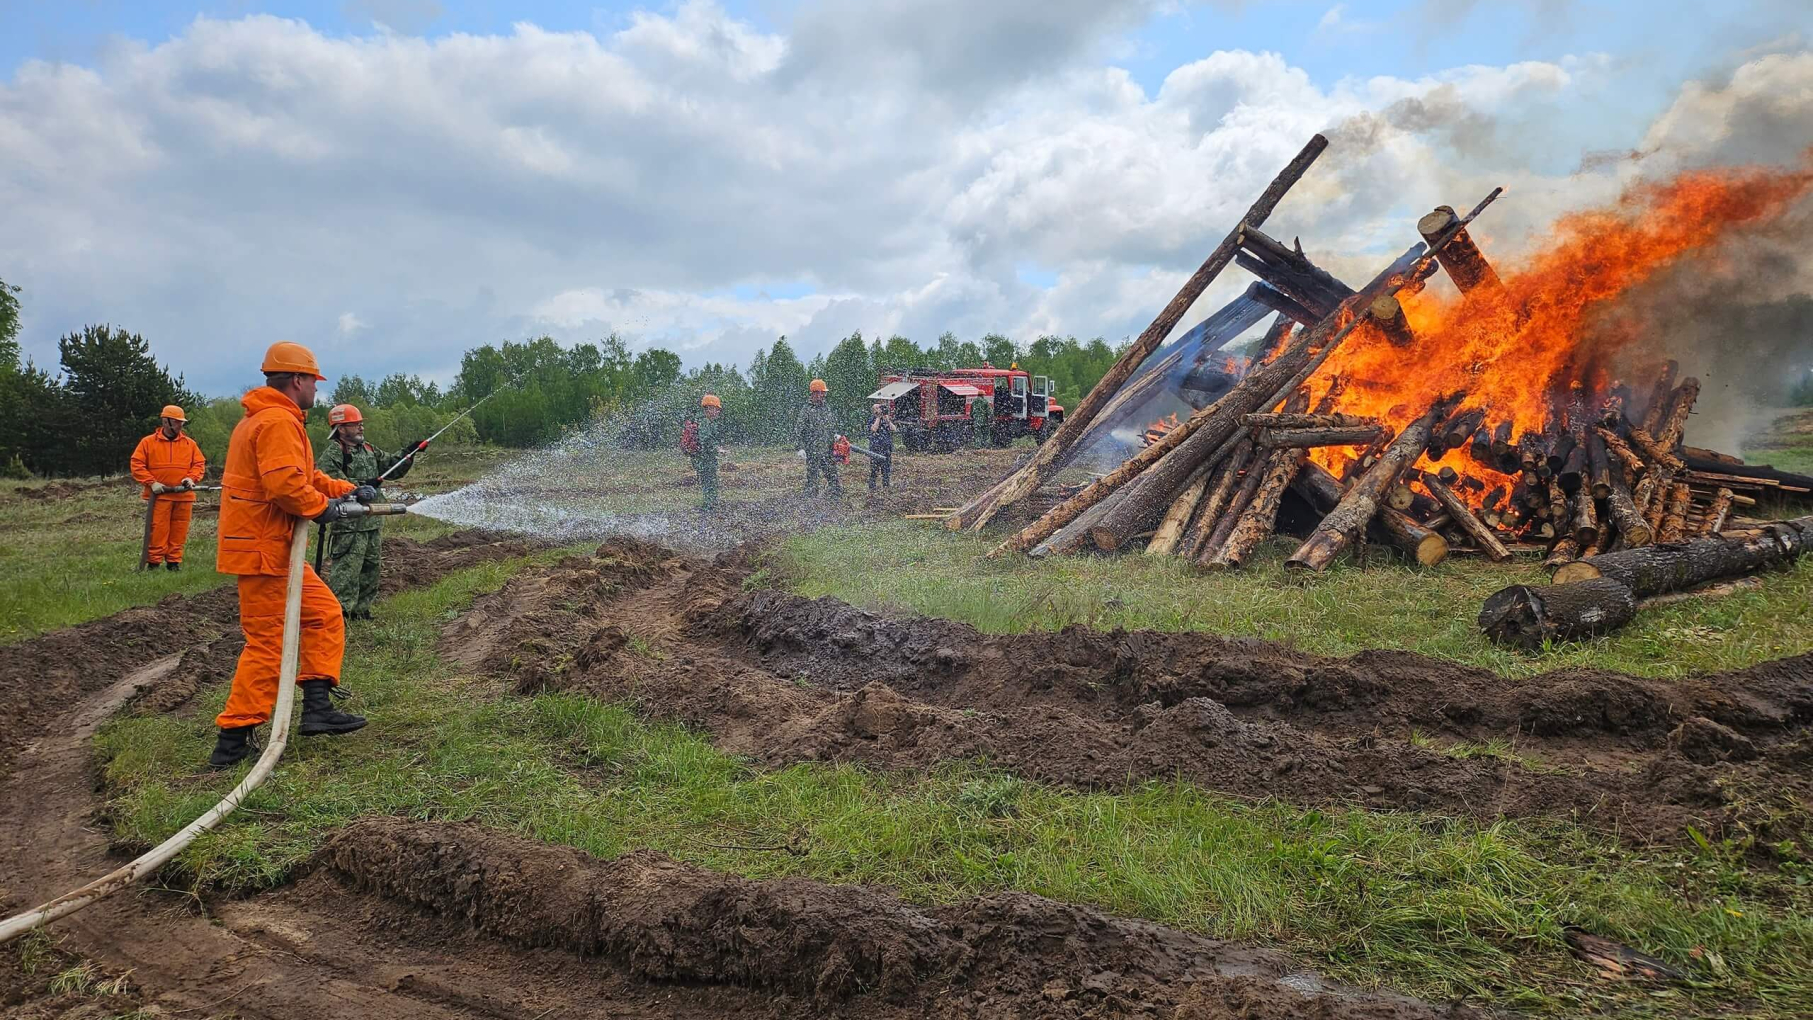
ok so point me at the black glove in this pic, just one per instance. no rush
(336, 511)
(365, 493)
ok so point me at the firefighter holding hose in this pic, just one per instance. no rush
(354, 547)
(168, 464)
(271, 480)
(817, 431)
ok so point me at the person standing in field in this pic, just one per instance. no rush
(354, 549)
(816, 432)
(168, 464)
(699, 441)
(271, 487)
(881, 441)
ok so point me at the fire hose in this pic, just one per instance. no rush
(150, 861)
(144, 556)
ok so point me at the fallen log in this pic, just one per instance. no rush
(1361, 503)
(1654, 569)
(1227, 478)
(1053, 453)
(1621, 507)
(1461, 258)
(1563, 552)
(1282, 420)
(1530, 616)
(1463, 517)
(1419, 543)
(1170, 530)
(1306, 438)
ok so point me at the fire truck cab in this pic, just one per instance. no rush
(935, 410)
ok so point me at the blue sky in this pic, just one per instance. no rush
(707, 175)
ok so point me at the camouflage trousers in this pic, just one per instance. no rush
(353, 570)
(707, 470)
(815, 465)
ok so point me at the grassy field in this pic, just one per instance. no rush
(1442, 908)
(1786, 444)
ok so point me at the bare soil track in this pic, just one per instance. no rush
(785, 679)
(401, 919)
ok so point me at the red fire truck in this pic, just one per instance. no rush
(935, 409)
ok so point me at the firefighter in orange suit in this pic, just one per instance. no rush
(269, 488)
(169, 465)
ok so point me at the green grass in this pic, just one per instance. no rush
(922, 568)
(1438, 907)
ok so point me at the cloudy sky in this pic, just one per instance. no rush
(394, 181)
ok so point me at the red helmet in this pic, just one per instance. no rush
(344, 414)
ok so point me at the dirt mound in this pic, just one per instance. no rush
(411, 564)
(782, 679)
(665, 921)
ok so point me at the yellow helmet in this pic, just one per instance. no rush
(285, 356)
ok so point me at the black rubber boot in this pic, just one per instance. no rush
(233, 746)
(173, 567)
(319, 714)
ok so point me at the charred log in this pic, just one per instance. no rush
(1654, 569)
(1306, 438)
(1215, 501)
(1388, 315)
(1462, 516)
(1466, 265)
(1530, 616)
(1419, 544)
(1361, 503)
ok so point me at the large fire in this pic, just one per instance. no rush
(1525, 350)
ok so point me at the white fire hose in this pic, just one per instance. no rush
(151, 860)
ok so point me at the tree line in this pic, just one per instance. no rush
(86, 417)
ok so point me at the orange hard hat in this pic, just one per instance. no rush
(818, 386)
(172, 411)
(344, 414)
(711, 400)
(285, 356)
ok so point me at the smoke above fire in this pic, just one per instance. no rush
(1603, 300)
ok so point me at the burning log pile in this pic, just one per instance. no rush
(1589, 474)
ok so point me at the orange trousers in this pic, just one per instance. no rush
(169, 531)
(254, 693)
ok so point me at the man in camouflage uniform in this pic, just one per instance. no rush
(705, 461)
(816, 432)
(353, 545)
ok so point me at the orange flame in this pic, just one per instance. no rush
(1519, 351)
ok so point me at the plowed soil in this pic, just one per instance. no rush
(401, 919)
(785, 679)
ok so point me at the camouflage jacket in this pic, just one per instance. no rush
(358, 465)
(816, 429)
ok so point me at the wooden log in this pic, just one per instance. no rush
(1419, 543)
(1618, 448)
(1674, 423)
(1306, 438)
(1720, 509)
(1586, 519)
(1280, 302)
(1503, 449)
(1750, 472)
(1598, 466)
(1237, 506)
(1622, 508)
(1714, 479)
(1214, 503)
(1655, 569)
(1572, 476)
(1291, 272)
(1074, 537)
(1531, 616)
(1347, 520)
(1170, 530)
(1563, 552)
(1307, 421)
(1658, 398)
(1465, 264)
(1054, 452)
(1559, 514)
(1658, 455)
(1674, 516)
(1461, 425)
(1462, 515)
(1388, 316)
(1261, 515)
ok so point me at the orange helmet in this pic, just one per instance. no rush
(711, 400)
(818, 386)
(288, 357)
(344, 414)
(172, 411)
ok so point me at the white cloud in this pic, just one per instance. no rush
(234, 184)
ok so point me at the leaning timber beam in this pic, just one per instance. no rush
(1282, 303)
(1053, 454)
(1462, 259)
(1658, 398)
(1220, 492)
(1261, 514)
(1463, 517)
(1654, 569)
(1171, 529)
(1349, 518)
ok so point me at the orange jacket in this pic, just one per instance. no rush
(269, 481)
(169, 461)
